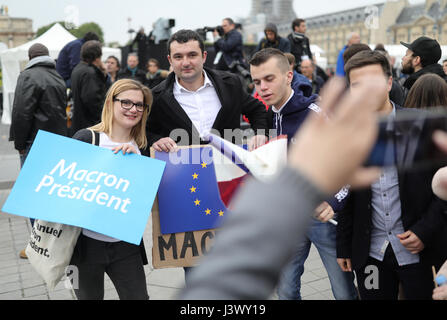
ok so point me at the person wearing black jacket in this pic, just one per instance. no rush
(154, 76)
(394, 231)
(223, 96)
(142, 40)
(230, 45)
(132, 71)
(422, 57)
(39, 101)
(299, 43)
(89, 86)
(273, 40)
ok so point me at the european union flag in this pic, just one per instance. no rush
(188, 196)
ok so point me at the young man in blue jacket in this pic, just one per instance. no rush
(288, 108)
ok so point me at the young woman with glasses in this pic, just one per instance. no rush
(122, 129)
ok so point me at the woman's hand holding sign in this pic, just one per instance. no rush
(127, 148)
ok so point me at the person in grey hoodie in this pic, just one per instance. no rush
(273, 40)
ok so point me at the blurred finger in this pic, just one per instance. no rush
(348, 263)
(331, 93)
(321, 207)
(440, 293)
(440, 138)
(326, 215)
(364, 177)
(350, 103)
(116, 149)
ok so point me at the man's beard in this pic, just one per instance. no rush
(407, 69)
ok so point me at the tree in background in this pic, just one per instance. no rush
(77, 32)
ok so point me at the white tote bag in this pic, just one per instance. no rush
(50, 249)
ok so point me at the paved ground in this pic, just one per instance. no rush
(18, 280)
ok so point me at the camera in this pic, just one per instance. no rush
(203, 31)
(238, 67)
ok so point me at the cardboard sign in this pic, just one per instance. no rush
(183, 249)
(75, 183)
(178, 249)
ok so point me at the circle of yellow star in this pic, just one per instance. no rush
(193, 189)
(208, 211)
(197, 202)
(195, 176)
(203, 165)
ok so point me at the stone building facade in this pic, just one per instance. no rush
(429, 19)
(15, 31)
(389, 23)
(279, 12)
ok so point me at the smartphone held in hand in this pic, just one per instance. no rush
(405, 140)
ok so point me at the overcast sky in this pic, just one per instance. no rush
(112, 15)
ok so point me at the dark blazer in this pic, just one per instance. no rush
(167, 114)
(422, 213)
(140, 75)
(89, 87)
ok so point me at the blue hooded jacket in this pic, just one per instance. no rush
(292, 115)
(69, 57)
(289, 119)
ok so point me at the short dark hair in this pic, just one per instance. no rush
(90, 36)
(155, 61)
(380, 47)
(116, 59)
(90, 51)
(291, 58)
(266, 54)
(366, 58)
(353, 49)
(184, 36)
(297, 22)
(230, 21)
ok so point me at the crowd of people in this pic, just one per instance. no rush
(395, 223)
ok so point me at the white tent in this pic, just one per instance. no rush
(14, 60)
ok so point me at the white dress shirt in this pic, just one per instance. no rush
(201, 106)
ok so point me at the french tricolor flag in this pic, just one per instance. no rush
(233, 163)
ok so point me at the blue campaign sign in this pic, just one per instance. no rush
(72, 182)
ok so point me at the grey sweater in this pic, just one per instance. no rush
(257, 240)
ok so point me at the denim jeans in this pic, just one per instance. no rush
(323, 236)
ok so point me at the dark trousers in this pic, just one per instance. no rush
(120, 260)
(416, 279)
(22, 162)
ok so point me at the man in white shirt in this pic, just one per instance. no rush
(196, 100)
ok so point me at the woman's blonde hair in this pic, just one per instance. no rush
(138, 132)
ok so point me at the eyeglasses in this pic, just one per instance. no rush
(128, 104)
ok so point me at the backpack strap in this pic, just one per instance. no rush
(95, 137)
